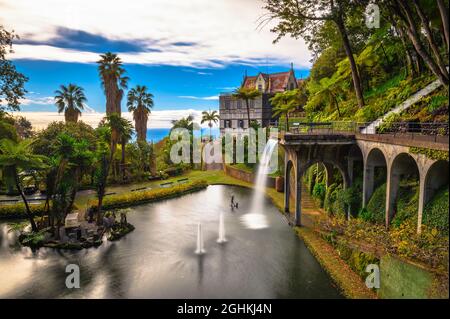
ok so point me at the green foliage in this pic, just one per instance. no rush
(17, 211)
(137, 198)
(430, 153)
(376, 207)
(435, 214)
(319, 191)
(357, 260)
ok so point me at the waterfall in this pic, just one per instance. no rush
(255, 219)
(221, 238)
(200, 248)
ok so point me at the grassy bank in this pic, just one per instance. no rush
(348, 281)
(142, 197)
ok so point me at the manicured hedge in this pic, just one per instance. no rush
(17, 211)
(436, 211)
(137, 198)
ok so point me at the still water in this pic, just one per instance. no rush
(158, 260)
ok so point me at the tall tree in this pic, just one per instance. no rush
(284, 103)
(121, 130)
(12, 82)
(114, 81)
(408, 18)
(140, 103)
(443, 10)
(15, 157)
(70, 100)
(299, 19)
(210, 117)
(246, 94)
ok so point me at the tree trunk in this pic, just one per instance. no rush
(248, 112)
(123, 159)
(348, 51)
(444, 17)
(287, 122)
(429, 36)
(414, 37)
(27, 207)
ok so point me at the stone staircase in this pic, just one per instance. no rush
(308, 202)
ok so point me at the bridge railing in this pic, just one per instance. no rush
(433, 132)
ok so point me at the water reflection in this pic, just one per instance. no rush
(158, 259)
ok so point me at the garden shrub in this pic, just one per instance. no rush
(338, 206)
(407, 203)
(136, 198)
(17, 211)
(435, 214)
(376, 207)
(319, 191)
(330, 197)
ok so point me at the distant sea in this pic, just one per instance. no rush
(157, 134)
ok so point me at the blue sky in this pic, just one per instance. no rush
(185, 52)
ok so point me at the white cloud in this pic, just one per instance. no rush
(222, 31)
(157, 119)
(207, 98)
(47, 100)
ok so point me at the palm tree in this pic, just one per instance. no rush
(139, 103)
(210, 117)
(246, 94)
(19, 156)
(113, 82)
(70, 100)
(284, 103)
(121, 129)
(184, 122)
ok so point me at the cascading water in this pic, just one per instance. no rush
(221, 238)
(255, 219)
(200, 248)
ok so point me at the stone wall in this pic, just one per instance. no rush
(246, 176)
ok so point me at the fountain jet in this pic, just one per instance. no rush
(221, 238)
(200, 248)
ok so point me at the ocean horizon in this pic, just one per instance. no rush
(157, 134)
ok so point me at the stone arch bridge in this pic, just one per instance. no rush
(347, 152)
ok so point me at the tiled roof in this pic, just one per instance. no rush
(275, 82)
(250, 82)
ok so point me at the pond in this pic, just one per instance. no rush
(158, 260)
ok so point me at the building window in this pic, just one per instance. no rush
(241, 123)
(227, 103)
(252, 103)
(260, 87)
(239, 104)
(227, 123)
(292, 86)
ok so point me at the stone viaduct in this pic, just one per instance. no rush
(342, 151)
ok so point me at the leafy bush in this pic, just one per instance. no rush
(435, 214)
(407, 203)
(16, 211)
(136, 198)
(319, 191)
(376, 207)
(330, 197)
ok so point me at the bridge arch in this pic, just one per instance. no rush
(375, 172)
(432, 179)
(403, 166)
